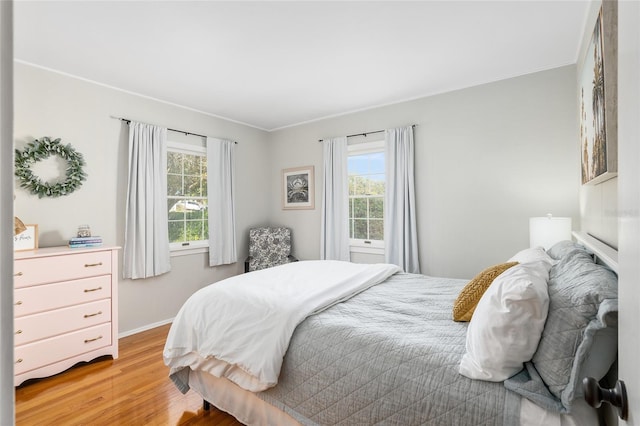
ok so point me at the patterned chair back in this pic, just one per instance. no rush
(268, 247)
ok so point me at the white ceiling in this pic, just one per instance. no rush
(276, 64)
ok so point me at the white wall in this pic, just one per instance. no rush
(487, 158)
(629, 206)
(51, 104)
(599, 202)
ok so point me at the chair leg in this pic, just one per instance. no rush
(206, 405)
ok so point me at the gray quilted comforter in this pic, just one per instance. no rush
(389, 356)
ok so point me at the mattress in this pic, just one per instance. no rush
(249, 409)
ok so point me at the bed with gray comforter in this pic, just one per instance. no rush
(390, 354)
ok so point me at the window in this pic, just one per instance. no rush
(187, 196)
(366, 195)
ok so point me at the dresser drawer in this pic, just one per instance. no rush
(49, 269)
(49, 351)
(52, 323)
(45, 297)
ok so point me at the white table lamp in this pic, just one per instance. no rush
(548, 230)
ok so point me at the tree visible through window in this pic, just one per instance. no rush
(366, 194)
(187, 196)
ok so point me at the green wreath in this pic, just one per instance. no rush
(41, 149)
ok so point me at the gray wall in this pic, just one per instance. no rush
(51, 104)
(487, 158)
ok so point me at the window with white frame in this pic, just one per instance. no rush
(366, 195)
(187, 196)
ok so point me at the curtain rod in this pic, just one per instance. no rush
(366, 133)
(127, 120)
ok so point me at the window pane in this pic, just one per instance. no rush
(192, 165)
(176, 232)
(375, 185)
(192, 186)
(176, 209)
(376, 163)
(357, 164)
(352, 185)
(376, 208)
(366, 194)
(174, 185)
(360, 208)
(174, 162)
(194, 230)
(376, 229)
(360, 229)
(205, 208)
(359, 186)
(194, 214)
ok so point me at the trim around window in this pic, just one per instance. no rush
(364, 147)
(190, 247)
(360, 245)
(188, 252)
(366, 246)
(184, 249)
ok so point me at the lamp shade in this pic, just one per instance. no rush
(546, 231)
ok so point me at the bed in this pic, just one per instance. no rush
(386, 350)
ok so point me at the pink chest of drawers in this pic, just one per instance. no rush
(65, 309)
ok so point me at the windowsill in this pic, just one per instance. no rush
(188, 251)
(366, 250)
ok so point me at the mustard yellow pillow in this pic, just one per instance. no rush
(470, 295)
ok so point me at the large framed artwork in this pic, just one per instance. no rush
(598, 100)
(297, 188)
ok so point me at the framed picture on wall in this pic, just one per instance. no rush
(598, 100)
(27, 239)
(297, 188)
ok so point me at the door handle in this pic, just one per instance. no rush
(616, 396)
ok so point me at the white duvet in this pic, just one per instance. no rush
(240, 328)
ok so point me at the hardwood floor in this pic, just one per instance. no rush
(132, 390)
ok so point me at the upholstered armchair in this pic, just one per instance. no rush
(268, 247)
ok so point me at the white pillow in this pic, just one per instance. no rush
(534, 254)
(507, 324)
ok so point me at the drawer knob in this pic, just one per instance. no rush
(92, 340)
(88, 290)
(89, 265)
(17, 274)
(19, 332)
(18, 361)
(18, 303)
(92, 315)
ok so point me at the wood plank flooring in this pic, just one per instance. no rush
(132, 390)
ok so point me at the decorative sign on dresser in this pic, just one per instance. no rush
(65, 308)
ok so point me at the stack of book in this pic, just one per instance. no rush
(78, 242)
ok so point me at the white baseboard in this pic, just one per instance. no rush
(144, 328)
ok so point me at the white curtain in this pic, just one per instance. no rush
(222, 215)
(146, 243)
(400, 232)
(334, 241)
